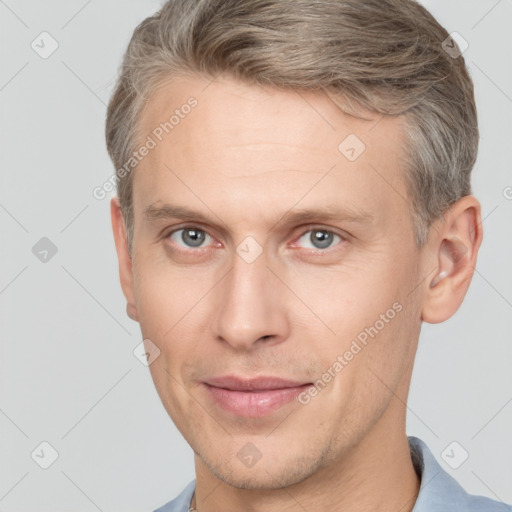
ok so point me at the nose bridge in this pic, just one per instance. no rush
(249, 307)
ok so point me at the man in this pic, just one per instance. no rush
(294, 201)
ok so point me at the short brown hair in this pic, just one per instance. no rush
(384, 55)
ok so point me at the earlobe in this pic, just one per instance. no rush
(131, 311)
(455, 248)
(124, 258)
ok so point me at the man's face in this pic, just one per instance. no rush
(293, 246)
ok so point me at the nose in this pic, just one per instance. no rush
(252, 306)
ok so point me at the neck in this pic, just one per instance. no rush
(376, 474)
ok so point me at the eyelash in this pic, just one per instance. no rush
(310, 229)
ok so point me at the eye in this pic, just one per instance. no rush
(189, 237)
(318, 239)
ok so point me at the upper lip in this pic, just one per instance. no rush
(262, 383)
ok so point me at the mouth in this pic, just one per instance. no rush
(252, 398)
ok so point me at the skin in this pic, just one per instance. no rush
(245, 157)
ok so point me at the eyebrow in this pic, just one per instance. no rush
(167, 211)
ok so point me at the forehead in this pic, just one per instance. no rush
(264, 148)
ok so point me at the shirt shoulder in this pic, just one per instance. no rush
(182, 502)
(440, 492)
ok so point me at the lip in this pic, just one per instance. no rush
(253, 398)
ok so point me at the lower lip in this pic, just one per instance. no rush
(253, 404)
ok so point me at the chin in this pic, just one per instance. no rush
(266, 475)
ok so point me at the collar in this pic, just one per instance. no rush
(439, 491)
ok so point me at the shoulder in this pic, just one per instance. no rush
(440, 492)
(182, 502)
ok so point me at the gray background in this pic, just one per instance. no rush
(68, 375)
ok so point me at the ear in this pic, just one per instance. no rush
(123, 255)
(452, 250)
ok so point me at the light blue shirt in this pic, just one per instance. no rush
(439, 492)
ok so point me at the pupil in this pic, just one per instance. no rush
(321, 239)
(193, 237)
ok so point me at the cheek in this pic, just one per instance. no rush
(165, 304)
(368, 310)
(165, 294)
(351, 298)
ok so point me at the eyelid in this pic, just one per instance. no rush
(169, 230)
